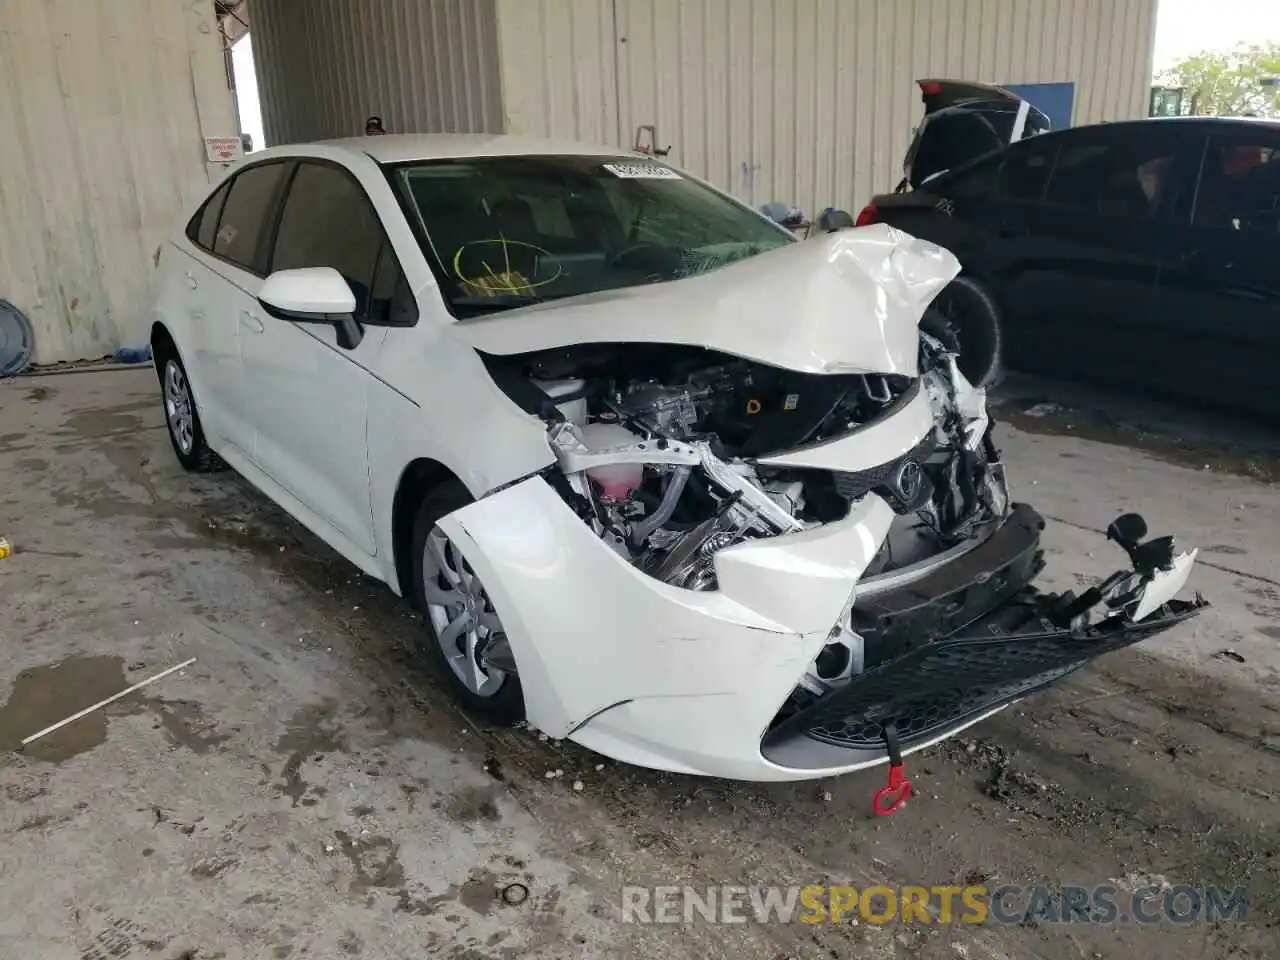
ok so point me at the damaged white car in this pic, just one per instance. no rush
(662, 479)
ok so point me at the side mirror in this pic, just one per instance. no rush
(313, 295)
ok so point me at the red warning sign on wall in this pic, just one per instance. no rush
(223, 149)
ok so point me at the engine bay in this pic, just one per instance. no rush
(659, 449)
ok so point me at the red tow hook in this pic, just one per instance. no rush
(895, 793)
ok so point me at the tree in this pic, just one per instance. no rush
(1228, 82)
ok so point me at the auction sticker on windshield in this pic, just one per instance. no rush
(641, 171)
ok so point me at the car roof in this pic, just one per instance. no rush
(1186, 121)
(408, 147)
(1268, 121)
(1065, 132)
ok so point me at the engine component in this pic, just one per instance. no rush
(569, 396)
(673, 411)
(689, 564)
(616, 480)
(641, 532)
(658, 445)
(787, 494)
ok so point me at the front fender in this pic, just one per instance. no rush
(588, 630)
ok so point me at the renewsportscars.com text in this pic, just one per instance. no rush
(1103, 904)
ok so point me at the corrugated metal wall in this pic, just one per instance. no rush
(559, 69)
(422, 65)
(103, 108)
(807, 101)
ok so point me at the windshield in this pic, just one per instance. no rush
(510, 231)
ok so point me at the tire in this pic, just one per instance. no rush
(499, 697)
(186, 434)
(976, 325)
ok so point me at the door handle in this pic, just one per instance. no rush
(190, 281)
(251, 321)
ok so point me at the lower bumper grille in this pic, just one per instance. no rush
(947, 683)
(957, 644)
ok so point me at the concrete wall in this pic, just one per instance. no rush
(808, 101)
(104, 105)
(424, 66)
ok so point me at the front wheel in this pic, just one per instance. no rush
(464, 632)
(974, 323)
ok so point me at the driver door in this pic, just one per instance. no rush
(310, 395)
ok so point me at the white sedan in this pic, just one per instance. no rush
(662, 478)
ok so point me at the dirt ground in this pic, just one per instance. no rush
(306, 789)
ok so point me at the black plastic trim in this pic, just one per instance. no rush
(946, 685)
(950, 647)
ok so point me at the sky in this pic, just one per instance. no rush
(247, 89)
(1186, 27)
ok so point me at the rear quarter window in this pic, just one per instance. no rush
(204, 224)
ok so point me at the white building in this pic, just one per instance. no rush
(804, 101)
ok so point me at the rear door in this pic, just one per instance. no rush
(1219, 300)
(224, 273)
(1092, 252)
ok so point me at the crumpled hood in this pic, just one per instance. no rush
(846, 302)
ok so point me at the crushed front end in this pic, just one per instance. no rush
(698, 473)
(773, 539)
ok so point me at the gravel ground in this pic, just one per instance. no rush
(306, 788)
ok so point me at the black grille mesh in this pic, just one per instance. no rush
(946, 682)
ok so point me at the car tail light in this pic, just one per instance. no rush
(867, 215)
(930, 88)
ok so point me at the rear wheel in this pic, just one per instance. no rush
(182, 419)
(463, 630)
(974, 325)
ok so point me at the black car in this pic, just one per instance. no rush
(1144, 254)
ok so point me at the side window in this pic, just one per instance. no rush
(1145, 178)
(204, 224)
(1025, 173)
(247, 211)
(328, 221)
(1240, 184)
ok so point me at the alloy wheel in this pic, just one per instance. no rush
(178, 408)
(462, 615)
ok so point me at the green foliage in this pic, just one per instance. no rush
(1227, 82)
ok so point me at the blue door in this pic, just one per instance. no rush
(1054, 100)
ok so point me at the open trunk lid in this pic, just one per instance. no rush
(962, 121)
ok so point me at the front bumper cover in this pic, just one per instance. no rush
(955, 646)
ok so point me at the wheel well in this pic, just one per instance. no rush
(417, 480)
(161, 339)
